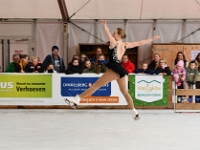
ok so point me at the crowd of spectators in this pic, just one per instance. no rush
(53, 63)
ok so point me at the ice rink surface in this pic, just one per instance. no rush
(98, 130)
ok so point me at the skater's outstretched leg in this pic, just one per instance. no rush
(103, 80)
(122, 85)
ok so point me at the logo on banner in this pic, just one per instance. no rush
(71, 86)
(149, 88)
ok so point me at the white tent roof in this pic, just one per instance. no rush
(107, 9)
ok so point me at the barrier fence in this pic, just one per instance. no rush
(50, 90)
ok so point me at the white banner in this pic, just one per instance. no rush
(149, 88)
(194, 54)
(70, 85)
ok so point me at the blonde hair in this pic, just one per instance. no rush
(159, 62)
(34, 57)
(121, 32)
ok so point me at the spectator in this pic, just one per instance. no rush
(23, 63)
(198, 61)
(98, 52)
(74, 56)
(192, 69)
(82, 59)
(14, 66)
(162, 67)
(181, 56)
(50, 69)
(179, 74)
(88, 67)
(54, 59)
(198, 66)
(100, 65)
(144, 69)
(154, 63)
(35, 66)
(127, 64)
(74, 67)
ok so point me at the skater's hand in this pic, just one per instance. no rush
(103, 22)
(156, 37)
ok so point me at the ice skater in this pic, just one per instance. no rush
(115, 70)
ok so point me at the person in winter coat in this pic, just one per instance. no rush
(179, 73)
(163, 67)
(55, 59)
(144, 69)
(74, 67)
(14, 66)
(50, 69)
(155, 62)
(192, 69)
(88, 67)
(181, 56)
(100, 65)
(127, 64)
(35, 66)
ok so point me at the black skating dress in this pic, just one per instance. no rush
(115, 64)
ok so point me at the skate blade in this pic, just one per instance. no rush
(73, 105)
(136, 117)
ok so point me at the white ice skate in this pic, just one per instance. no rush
(135, 114)
(73, 101)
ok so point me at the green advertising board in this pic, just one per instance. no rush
(149, 85)
(26, 86)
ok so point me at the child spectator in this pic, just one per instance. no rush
(98, 52)
(144, 69)
(88, 67)
(179, 74)
(14, 66)
(23, 63)
(198, 61)
(192, 69)
(154, 63)
(74, 67)
(181, 56)
(35, 66)
(99, 66)
(50, 69)
(127, 64)
(163, 67)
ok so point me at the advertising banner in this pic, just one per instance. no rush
(71, 85)
(149, 90)
(17, 89)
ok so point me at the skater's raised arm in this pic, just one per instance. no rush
(143, 42)
(108, 34)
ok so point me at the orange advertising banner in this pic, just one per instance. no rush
(100, 99)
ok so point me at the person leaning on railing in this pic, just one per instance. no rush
(144, 69)
(14, 66)
(191, 69)
(163, 68)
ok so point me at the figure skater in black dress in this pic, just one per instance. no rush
(115, 70)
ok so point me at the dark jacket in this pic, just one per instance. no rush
(152, 65)
(147, 71)
(12, 67)
(73, 69)
(100, 68)
(165, 70)
(50, 59)
(31, 68)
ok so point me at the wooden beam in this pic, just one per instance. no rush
(63, 10)
(188, 92)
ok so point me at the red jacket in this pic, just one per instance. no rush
(129, 66)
